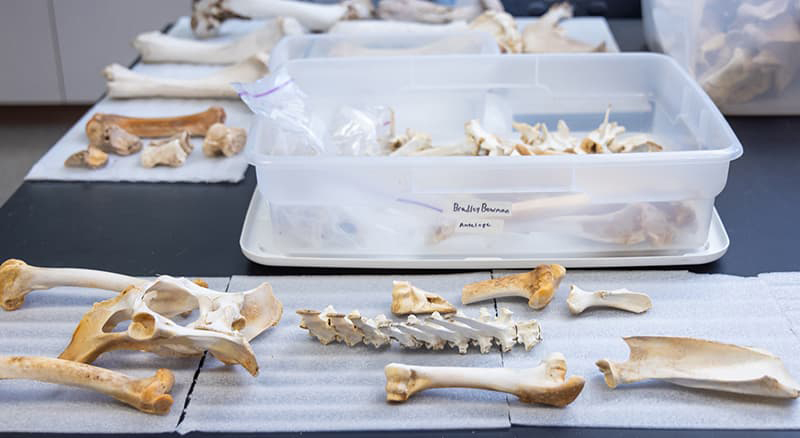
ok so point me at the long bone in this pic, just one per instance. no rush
(538, 285)
(623, 299)
(698, 363)
(545, 384)
(435, 332)
(194, 124)
(150, 394)
(160, 47)
(208, 15)
(125, 83)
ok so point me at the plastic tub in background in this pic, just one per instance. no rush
(576, 205)
(744, 53)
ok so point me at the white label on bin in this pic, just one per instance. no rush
(479, 226)
(476, 208)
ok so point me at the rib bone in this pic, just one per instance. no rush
(538, 286)
(456, 330)
(194, 124)
(150, 395)
(545, 384)
(623, 299)
(698, 363)
(408, 299)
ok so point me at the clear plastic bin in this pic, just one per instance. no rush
(535, 206)
(744, 53)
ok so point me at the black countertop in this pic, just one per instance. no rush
(193, 229)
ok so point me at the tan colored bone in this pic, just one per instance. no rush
(545, 35)
(225, 141)
(408, 299)
(91, 158)
(171, 152)
(194, 124)
(150, 395)
(538, 286)
(698, 363)
(623, 299)
(502, 27)
(544, 384)
(118, 141)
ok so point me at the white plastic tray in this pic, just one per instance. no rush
(256, 244)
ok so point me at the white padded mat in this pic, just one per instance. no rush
(307, 386)
(43, 326)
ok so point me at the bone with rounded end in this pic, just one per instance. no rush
(150, 394)
(544, 384)
(91, 158)
(160, 47)
(194, 124)
(502, 27)
(623, 299)
(224, 141)
(408, 299)
(538, 286)
(171, 152)
(546, 36)
(698, 363)
(124, 83)
(118, 141)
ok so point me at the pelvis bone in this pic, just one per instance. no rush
(435, 332)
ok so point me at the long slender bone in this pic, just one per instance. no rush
(160, 47)
(194, 124)
(538, 286)
(698, 363)
(435, 332)
(623, 299)
(150, 394)
(124, 83)
(545, 384)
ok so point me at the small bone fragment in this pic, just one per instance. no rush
(410, 143)
(382, 27)
(698, 363)
(408, 299)
(160, 47)
(119, 141)
(538, 285)
(124, 83)
(623, 299)
(634, 143)
(225, 141)
(545, 384)
(194, 124)
(149, 395)
(546, 36)
(91, 158)
(169, 152)
(502, 27)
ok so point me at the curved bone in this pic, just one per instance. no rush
(160, 47)
(434, 332)
(91, 158)
(545, 384)
(225, 141)
(623, 299)
(538, 286)
(698, 363)
(194, 124)
(502, 27)
(124, 83)
(408, 299)
(150, 394)
(546, 36)
(367, 27)
(171, 152)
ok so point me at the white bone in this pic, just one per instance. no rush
(408, 299)
(546, 383)
(169, 152)
(463, 148)
(160, 47)
(371, 27)
(623, 299)
(435, 332)
(634, 143)
(545, 35)
(150, 394)
(538, 286)
(409, 143)
(424, 11)
(124, 83)
(597, 141)
(486, 142)
(223, 140)
(698, 363)
(502, 27)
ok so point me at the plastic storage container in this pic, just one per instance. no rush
(744, 53)
(500, 206)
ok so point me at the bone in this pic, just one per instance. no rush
(171, 152)
(124, 83)
(194, 124)
(424, 11)
(159, 47)
(502, 27)
(380, 27)
(150, 395)
(544, 384)
(434, 333)
(208, 15)
(698, 363)
(623, 299)
(91, 158)
(486, 142)
(118, 141)
(408, 299)
(224, 141)
(410, 144)
(538, 286)
(546, 36)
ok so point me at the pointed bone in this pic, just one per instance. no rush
(538, 286)
(623, 299)
(150, 394)
(317, 324)
(91, 158)
(698, 363)
(408, 299)
(346, 331)
(194, 124)
(485, 141)
(124, 83)
(545, 384)
(160, 47)
(224, 141)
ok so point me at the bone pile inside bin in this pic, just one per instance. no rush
(172, 316)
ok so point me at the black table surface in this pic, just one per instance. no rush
(193, 229)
